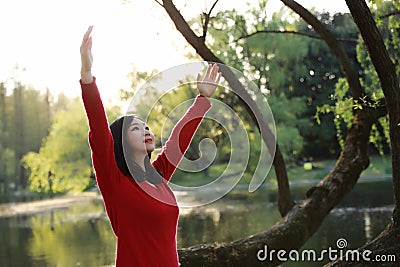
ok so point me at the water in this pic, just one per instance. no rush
(80, 235)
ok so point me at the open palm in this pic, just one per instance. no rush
(209, 83)
(86, 56)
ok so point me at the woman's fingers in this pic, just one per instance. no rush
(218, 78)
(208, 72)
(211, 73)
(86, 53)
(87, 33)
(87, 39)
(90, 42)
(214, 72)
(208, 84)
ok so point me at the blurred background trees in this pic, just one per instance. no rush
(43, 139)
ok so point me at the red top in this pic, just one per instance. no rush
(144, 226)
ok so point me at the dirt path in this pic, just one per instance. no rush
(12, 209)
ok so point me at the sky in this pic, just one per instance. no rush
(42, 38)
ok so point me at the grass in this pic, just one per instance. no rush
(378, 166)
(193, 179)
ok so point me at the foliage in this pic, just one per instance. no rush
(256, 57)
(344, 104)
(24, 120)
(162, 112)
(302, 69)
(310, 72)
(7, 157)
(288, 120)
(63, 163)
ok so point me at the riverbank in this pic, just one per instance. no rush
(12, 209)
(380, 168)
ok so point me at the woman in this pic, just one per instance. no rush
(139, 203)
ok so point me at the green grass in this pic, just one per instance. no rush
(378, 166)
(197, 178)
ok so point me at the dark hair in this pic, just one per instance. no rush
(130, 168)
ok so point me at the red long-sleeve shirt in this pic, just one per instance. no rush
(144, 226)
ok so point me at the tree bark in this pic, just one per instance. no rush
(387, 243)
(20, 135)
(3, 125)
(301, 222)
(285, 201)
(312, 36)
(389, 83)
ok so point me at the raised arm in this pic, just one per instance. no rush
(183, 132)
(100, 138)
(96, 115)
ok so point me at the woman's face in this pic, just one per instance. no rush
(139, 137)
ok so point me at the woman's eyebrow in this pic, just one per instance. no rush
(136, 123)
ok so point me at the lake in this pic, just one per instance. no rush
(80, 235)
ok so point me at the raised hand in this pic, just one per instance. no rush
(87, 57)
(209, 83)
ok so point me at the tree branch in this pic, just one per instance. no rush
(212, 7)
(285, 200)
(345, 40)
(159, 3)
(303, 220)
(386, 71)
(207, 20)
(387, 243)
(397, 12)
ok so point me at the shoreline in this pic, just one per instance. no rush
(26, 208)
(37, 206)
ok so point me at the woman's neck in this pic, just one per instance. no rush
(139, 160)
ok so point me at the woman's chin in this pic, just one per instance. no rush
(149, 148)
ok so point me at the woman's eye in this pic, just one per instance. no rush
(135, 128)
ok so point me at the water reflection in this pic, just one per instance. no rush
(225, 224)
(73, 236)
(81, 235)
(347, 223)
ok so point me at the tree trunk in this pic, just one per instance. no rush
(48, 112)
(20, 136)
(387, 243)
(301, 222)
(194, 152)
(3, 127)
(389, 82)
